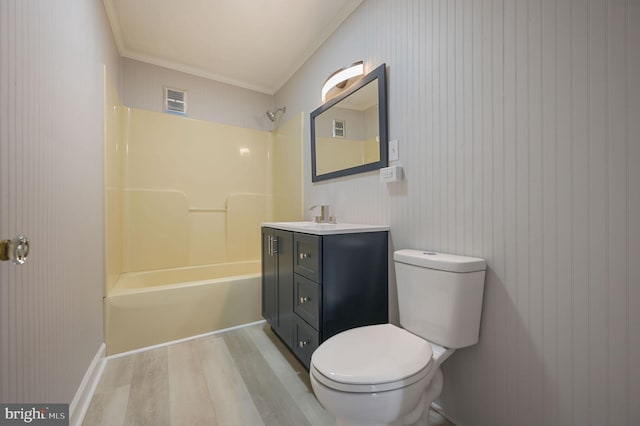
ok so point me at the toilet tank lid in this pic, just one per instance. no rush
(440, 261)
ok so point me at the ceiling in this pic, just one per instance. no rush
(255, 44)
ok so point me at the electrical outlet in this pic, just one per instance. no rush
(391, 174)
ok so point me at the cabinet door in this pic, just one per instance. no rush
(284, 249)
(354, 287)
(269, 278)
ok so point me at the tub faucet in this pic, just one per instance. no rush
(324, 214)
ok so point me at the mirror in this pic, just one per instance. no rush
(349, 132)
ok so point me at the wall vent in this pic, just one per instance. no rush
(175, 100)
(338, 129)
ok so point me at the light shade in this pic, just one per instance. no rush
(340, 78)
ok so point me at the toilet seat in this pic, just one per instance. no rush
(374, 358)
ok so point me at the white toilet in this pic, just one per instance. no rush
(387, 375)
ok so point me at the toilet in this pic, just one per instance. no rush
(388, 375)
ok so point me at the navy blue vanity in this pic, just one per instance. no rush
(321, 279)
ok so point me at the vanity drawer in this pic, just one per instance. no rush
(306, 341)
(308, 256)
(306, 301)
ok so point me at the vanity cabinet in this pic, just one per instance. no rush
(327, 284)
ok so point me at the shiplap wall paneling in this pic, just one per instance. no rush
(51, 153)
(518, 129)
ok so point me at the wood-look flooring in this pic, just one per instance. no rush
(237, 378)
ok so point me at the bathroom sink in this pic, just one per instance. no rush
(325, 228)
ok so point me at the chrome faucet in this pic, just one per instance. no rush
(324, 214)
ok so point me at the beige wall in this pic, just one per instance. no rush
(518, 126)
(52, 58)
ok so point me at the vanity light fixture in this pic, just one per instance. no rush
(341, 79)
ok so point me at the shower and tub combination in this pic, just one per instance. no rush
(182, 239)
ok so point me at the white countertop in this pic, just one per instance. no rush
(325, 228)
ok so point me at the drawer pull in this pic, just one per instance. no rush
(304, 299)
(304, 256)
(302, 344)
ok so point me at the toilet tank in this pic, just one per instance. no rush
(440, 296)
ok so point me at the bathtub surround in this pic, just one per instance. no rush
(114, 167)
(518, 125)
(184, 192)
(193, 191)
(288, 203)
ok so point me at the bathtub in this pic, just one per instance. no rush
(153, 307)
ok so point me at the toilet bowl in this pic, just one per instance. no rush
(375, 375)
(387, 375)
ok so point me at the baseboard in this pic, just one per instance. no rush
(80, 404)
(438, 409)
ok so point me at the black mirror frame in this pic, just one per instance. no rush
(380, 73)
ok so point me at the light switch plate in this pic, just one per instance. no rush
(394, 155)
